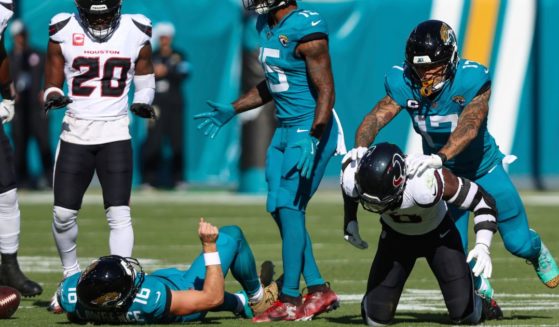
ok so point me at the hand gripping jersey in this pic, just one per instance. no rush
(98, 75)
(422, 208)
(151, 304)
(435, 119)
(6, 12)
(286, 73)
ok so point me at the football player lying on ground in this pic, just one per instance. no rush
(116, 290)
(416, 223)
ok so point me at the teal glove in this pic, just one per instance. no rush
(215, 119)
(308, 147)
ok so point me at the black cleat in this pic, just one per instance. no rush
(11, 275)
(490, 310)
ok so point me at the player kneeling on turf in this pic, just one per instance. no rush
(116, 290)
(416, 223)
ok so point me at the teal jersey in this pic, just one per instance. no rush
(151, 304)
(436, 118)
(286, 73)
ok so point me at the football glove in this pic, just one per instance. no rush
(308, 145)
(483, 265)
(212, 121)
(355, 154)
(143, 110)
(351, 234)
(7, 110)
(417, 164)
(56, 101)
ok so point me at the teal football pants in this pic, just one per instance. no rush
(235, 255)
(288, 196)
(512, 220)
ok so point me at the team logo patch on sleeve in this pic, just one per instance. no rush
(78, 39)
(459, 99)
(283, 40)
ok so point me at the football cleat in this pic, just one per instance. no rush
(11, 275)
(319, 301)
(490, 310)
(280, 311)
(546, 268)
(270, 296)
(54, 305)
(247, 311)
(483, 287)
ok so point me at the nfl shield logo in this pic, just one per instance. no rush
(78, 39)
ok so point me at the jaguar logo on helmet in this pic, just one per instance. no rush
(447, 34)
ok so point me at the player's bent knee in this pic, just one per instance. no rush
(118, 217)
(375, 312)
(234, 231)
(64, 219)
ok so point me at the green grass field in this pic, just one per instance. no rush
(165, 229)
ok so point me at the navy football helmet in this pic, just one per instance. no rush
(431, 44)
(100, 18)
(110, 283)
(265, 6)
(381, 177)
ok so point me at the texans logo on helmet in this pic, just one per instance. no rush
(397, 162)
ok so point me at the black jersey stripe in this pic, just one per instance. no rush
(144, 28)
(55, 28)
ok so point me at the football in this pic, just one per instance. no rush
(9, 301)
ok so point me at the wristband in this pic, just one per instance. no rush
(442, 156)
(50, 90)
(212, 258)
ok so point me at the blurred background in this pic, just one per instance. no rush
(210, 55)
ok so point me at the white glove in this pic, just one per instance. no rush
(418, 164)
(483, 265)
(355, 154)
(352, 235)
(7, 110)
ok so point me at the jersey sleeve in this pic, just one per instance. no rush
(6, 13)
(427, 190)
(57, 26)
(476, 80)
(395, 85)
(67, 296)
(310, 26)
(153, 299)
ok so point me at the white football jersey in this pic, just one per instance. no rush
(99, 75)
(6, 12)
(422, 208)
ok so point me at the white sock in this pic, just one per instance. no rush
(9, 222)
(257, 297)
(121, 239)
(65, 232)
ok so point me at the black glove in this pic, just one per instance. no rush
(143, 110)
(56, 101)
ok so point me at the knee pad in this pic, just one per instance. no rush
(118, 217)
(64, 219)
(234, 231)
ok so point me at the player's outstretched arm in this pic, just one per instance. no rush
(382, 113)
(54, 97)
(468, 125)
(144, 82)
(187, 302)
(470, 196)
(255, 97)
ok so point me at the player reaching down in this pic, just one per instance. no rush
(416, 223)
(10, 273)
(98, 53)
(115, 290)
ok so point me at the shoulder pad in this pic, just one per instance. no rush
(309, 25)
(428, 189)
(58, 22)
(8, 4)
(394, 82)
(474, 77)
(142, 23)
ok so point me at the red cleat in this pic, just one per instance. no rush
(320, 301)
(280, 311)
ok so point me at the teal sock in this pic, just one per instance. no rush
(311, 274)
(292, 224)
